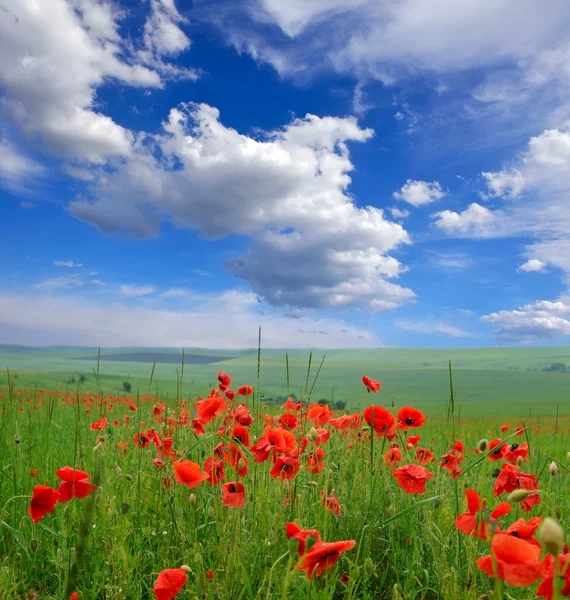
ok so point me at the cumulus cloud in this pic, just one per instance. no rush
(16, 169)
(475, 219)
(132, 291)
(311, 246)
(504, 183)
(44, 320)
(399, 213)
(55, 54)
(418, 193)
(533, 264)
(532, 322)
(67, 263)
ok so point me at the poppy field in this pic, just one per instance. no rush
(224, 496)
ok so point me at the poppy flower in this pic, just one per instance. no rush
(496, 446)
(410, 418)
(371, 384)
(413, 440)
(188, 473)
(288, 421)
(210, 574)
(285, 468)
(43, 501)
(158, 463)
(315, 460)
(393, 457)
(505, 428)
(510, 479)
(344, 579)
(424, 456)
(240, 434)
(198, 427)
(210, 408)
(245, 390)
(511, 452)
(215, 470)
(381, 420)
(167, 446)
(229, 394)
(243, 416)
(323, 555)
(305, 537)
(276, 441)
(142, 440)
(74, 484)
(68, 474)
(233, 494)
(525, 530)
(546, 587)
(412, 478)
(320, 413)
(516, 560)
(323, 436)
(225, 380)
(236, 458)
(169, 583)
(292, 405)
(475, 522)
(33, 473)
(99, 425)
(74, 596)
(332, 504)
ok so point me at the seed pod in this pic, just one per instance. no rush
(551, 536)
(520, 461)
(128, 477)
(293, 545)
(519, 495)
(553, 469)
(192, 499)
(482, 445)
(312, 435)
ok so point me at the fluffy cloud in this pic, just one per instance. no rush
(15, 168)
(55, 54)
(418, 193)
(541, 320)
(311, 246)
(67, 263)
(398, 213)
(132, 291)
(44, 320)
(504, 183)
(475, 219)
(533, 264)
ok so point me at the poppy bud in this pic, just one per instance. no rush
(520, 461)
(186, 568)
(310, 542)
(482, 445)
(551, 536)
(553, 468)
(519, 495)
(119, 471)
(558, 512)
(568, 455)
(192, 499)
(268, 561)
(493, 525)
(312, 435)
(198, 558)
(241, 464)
(128, 477)
(211, 511)
(292, 545)
(368, 566)
(33, 544)
(365, 429)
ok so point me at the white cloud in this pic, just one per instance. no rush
(418, 193)
(475, 219)
(62, 282)
(311, 246)
(55, 54)
(533, 264)
(505, 183)
(27, 205)
(455, 261)
(132, 291)
(98, 282)
(81, 173)
(42, 320)
(67, 263)
(532, 322)
(16, 169)
(398, 213)
(431, 327)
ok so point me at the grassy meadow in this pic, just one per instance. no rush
(198, 498)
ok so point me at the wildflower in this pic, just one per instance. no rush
(285, 468)
(99, 425)
(495, 449)
(215, 470)
(229, 394)
(158, 463)
(505, 428)
(33, 473)
(424, 456)
(306, 538)
(74, 596)
(546, 587)
(525, 530)
(381, 420)
(516, 560)
(393, 457)
(413, 440)
(315, 460)
(169, 582)
(344, 579)
(323, 555)
(243, 416)
(371, 384)
(43, 501)
(210, 574)
(289, 421)
(142, 440)
(412, 478)
(74, 484)
(188, 473)
(551, 536)
(236, 458)
(513, 452)
(233, 494)
(224, 380)
(510, 479)
(245, 390)
(291, 405)
(331, 504)
(320, 413)
(410, 418)
(474, 522)
(210, 408)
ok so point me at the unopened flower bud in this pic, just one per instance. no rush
(520, 461)
(293, 545)
(368, 566)
(310, 542)
(33, 544)
(241, 464)
(482, 445)
(568, 455)
(192, 499)
(128, 477)
(558, 512)
(553, 468)
(312, 435)
(211, 511)
(519, 495)
(551, 536)
(198, 558)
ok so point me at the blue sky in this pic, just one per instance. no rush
(353, 173)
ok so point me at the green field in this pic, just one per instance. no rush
(488, 382)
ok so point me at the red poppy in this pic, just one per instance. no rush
(291, 405)
(371, 384)
(74, 484)
(157, 410)
(236, 458)
(412, 478)
(169, 583)
(332, 504)
(233, 494)
(393, 457)
(100, 424)
(43, 501)
(315, 460)
(210, 408)
(546, 587)
(243, 416)
(142, 440)
(344, 579)
(323, 555)
(229, 394)
(323, 436)
(215, 470)
(410, 418)
(188, 473)
(413, 440)
(210, 574)
(516, 560)
(320, 413)
(384, 422)
(33, 473)
(505, 428)
(511, 479)
(424, 456)
(276, 440)
(245, 390)
(525, 530)
(198, 427)
(285, 468)
(496, 446)
(158, 463)
(511, 452)
(475, 522)
(74, 596)
(305, 537)
(288, 421)
(240, 434)
(225, 380)
(69, 474)
(167, 446)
